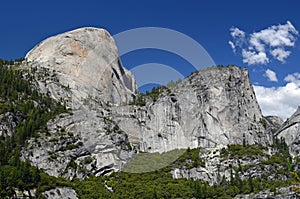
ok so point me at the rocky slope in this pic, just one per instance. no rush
(8, 122)
(59, 193)
(290, 132)
(82, 70)
(235, 162)
(101, 132)
(274, 122)
(280, 193)
(210, 108)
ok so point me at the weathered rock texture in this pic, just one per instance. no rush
(281, 193)
(210, 108)
(78, 145)
(8, 122)
(81, 68)
(219, 166)
(274, 121)
(60, 193)
(86, 63)
(290, 132)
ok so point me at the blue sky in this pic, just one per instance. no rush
(211, 23)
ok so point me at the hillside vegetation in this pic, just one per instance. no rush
(31, 111)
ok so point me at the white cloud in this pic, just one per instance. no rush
(238, 37)
(271, 41)
(232, 46)
(252, 57)
(256, 44)
(275, 36)
(293, 78)
(280, 54)
(281, 101)
(237, 33)
(271, 75)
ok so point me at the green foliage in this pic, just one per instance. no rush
(139, 101)
(190, 158)
(160, 184)
(171, 84)
(153, 95)
(32, 111)
(91, 188)
(23, 177)
(264, 122)
(88, 160)
(146, 162)
(17, 96)
(10, 62)
(72, 164)
(156, 91)
(71, 146)
(278, 164)
(241, 151)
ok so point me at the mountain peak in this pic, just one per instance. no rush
(86, 61)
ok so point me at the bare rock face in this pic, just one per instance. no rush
(59, 193)
(290, 132)
(208, 109)
(284, 193)
(8, 122)
(79, 144)
(85, 62)
(275, 122)
(81, 69)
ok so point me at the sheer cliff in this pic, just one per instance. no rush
(82, 70)
(290, 131)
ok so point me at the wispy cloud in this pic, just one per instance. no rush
(280, 54)
(281, 101)
(252, 57)
(232, 46)
(293, 78)
(237, 33)
(271, 75)
(238, 37)
(259, 47)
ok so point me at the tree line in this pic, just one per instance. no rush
(31, 111)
